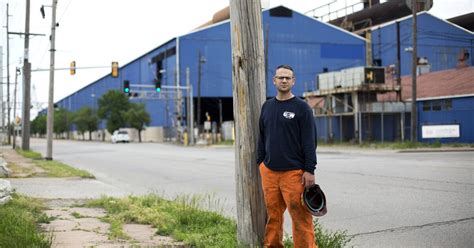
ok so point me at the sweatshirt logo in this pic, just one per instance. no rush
(288, 115)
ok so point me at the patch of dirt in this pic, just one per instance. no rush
(87, 230)
(21, 167)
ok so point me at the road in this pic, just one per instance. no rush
(383, 198)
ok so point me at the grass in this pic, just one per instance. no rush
(54, 168)
(19, 220)
(77, 215)
(184, 220)
(29, 154)
(324, 238)
(58, 169)
(23, 170)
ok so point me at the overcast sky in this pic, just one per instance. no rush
(97, 32)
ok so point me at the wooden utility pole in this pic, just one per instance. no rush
(9, 122)
(248, 86)
(17, 72)
(414, 59)
(50, 117)
(25, 125)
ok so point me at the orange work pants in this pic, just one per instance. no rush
(282, 189)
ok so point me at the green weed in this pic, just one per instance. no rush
(19, 223)
(182, 219)
(324, 238)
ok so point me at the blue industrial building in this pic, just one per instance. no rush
(445, 105)
(309, 45)
(441, 47)
(439, 43)
(452, 118)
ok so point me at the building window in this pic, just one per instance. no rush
(426, 106)
(438, 105)
(448, 104)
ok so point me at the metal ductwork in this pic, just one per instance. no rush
(466, 21)
(221, 15)
(370, 3)
(377, 14)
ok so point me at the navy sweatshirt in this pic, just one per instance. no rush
(287, 135)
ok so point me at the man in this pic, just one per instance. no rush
(287, 160)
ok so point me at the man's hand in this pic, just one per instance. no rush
(307, 179)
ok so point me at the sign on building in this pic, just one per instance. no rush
(440, 131)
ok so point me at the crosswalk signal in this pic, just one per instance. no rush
(72, 68)
(126, 86)
(115, 69)
(157, 85)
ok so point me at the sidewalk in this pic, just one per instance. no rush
(74, 226)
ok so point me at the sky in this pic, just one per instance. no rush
(97, 32)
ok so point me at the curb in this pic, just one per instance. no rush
(436, 150)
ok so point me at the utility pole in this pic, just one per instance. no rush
(190, 108)
(8, 81)
(2, 103)
(199, 92)
(399, 64)
(25, 125)
(248, 90)
(413, 77)
(17, 72)
(50, 121)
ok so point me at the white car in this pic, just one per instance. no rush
(120, 136)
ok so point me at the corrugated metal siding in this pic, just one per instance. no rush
(306, 44)
(215, 48)
(462, 113)
(438, 41)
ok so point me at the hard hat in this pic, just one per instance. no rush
(314, 200)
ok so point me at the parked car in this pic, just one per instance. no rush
(120, 136)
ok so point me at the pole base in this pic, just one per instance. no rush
(49, 159)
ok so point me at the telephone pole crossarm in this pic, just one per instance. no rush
(33, 34)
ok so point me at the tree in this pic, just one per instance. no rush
(112, 107)
(86, 120)
(63, 120)
(38, 125)
(138, 117)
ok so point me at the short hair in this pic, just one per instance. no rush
(285, 67)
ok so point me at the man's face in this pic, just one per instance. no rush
(284, 80)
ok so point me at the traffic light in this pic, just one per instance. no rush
(72, 68)
(115, 69)
(126, 86)
(157, 85)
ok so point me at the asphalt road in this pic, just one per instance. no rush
(383, 198)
